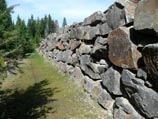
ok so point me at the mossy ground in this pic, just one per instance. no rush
(39, 91)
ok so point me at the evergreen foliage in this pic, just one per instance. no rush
(19, 39)
(64, 22)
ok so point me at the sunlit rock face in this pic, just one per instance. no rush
(146, 17)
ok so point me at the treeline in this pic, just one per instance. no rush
(20, 38)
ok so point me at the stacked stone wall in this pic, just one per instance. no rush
(114, 56)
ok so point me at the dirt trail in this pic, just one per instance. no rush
(35, 82)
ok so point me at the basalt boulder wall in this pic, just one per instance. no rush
(143, 98)
(124, 110)
(129, 7)
(122, 52)
(146, 17)
(150, 57)
(93, 19)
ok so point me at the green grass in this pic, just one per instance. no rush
(39, 91)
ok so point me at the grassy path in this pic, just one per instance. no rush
(40, 92)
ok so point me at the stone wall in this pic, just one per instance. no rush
(114, 55)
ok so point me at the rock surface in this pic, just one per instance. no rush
(124, 110)
(122, 52)
(93, 19)
(145, 99)
(150, 57)
(146, 17)
(111, 80)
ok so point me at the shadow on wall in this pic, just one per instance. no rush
(32, 103)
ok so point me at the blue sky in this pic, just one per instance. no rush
(73, 10)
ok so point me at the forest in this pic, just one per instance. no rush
(19, 38)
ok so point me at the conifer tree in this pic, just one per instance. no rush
(64, 22)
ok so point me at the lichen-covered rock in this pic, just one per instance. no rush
(111, 80)
(93, 19)
(150, 57)
(143, 98)
(146, 18)
(122, 52)
(124, 110)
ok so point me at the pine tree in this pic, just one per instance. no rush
(7, 36)
(64, 22)
(56, 25)
(31, 26)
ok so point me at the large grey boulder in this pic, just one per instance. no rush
(143, 98)
(141, 73)
(105, 100)
(89, 71)
(122, 51)
(60, 45)
(129, 7)
(74, 60)
(124, 110)
(101, 41)
(77, 33)
(104, 29)
(85, 49)
(73, 44)
(111, 80)
(92, 87)
(93, 19)
(115, 16)
(84, 59)
(150, 57)
(146, 17)
(84, 32)
(91, 32)
(66, 56)
(96, 68)
(100, 50)
(78, 73)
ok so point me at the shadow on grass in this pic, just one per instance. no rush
(32, 103)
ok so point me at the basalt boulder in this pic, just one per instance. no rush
(122, 51)
(146, 18)
(150, 57)
(143, 98)
(93, 19)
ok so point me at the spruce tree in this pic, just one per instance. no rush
(64, 22)
(56, 25)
